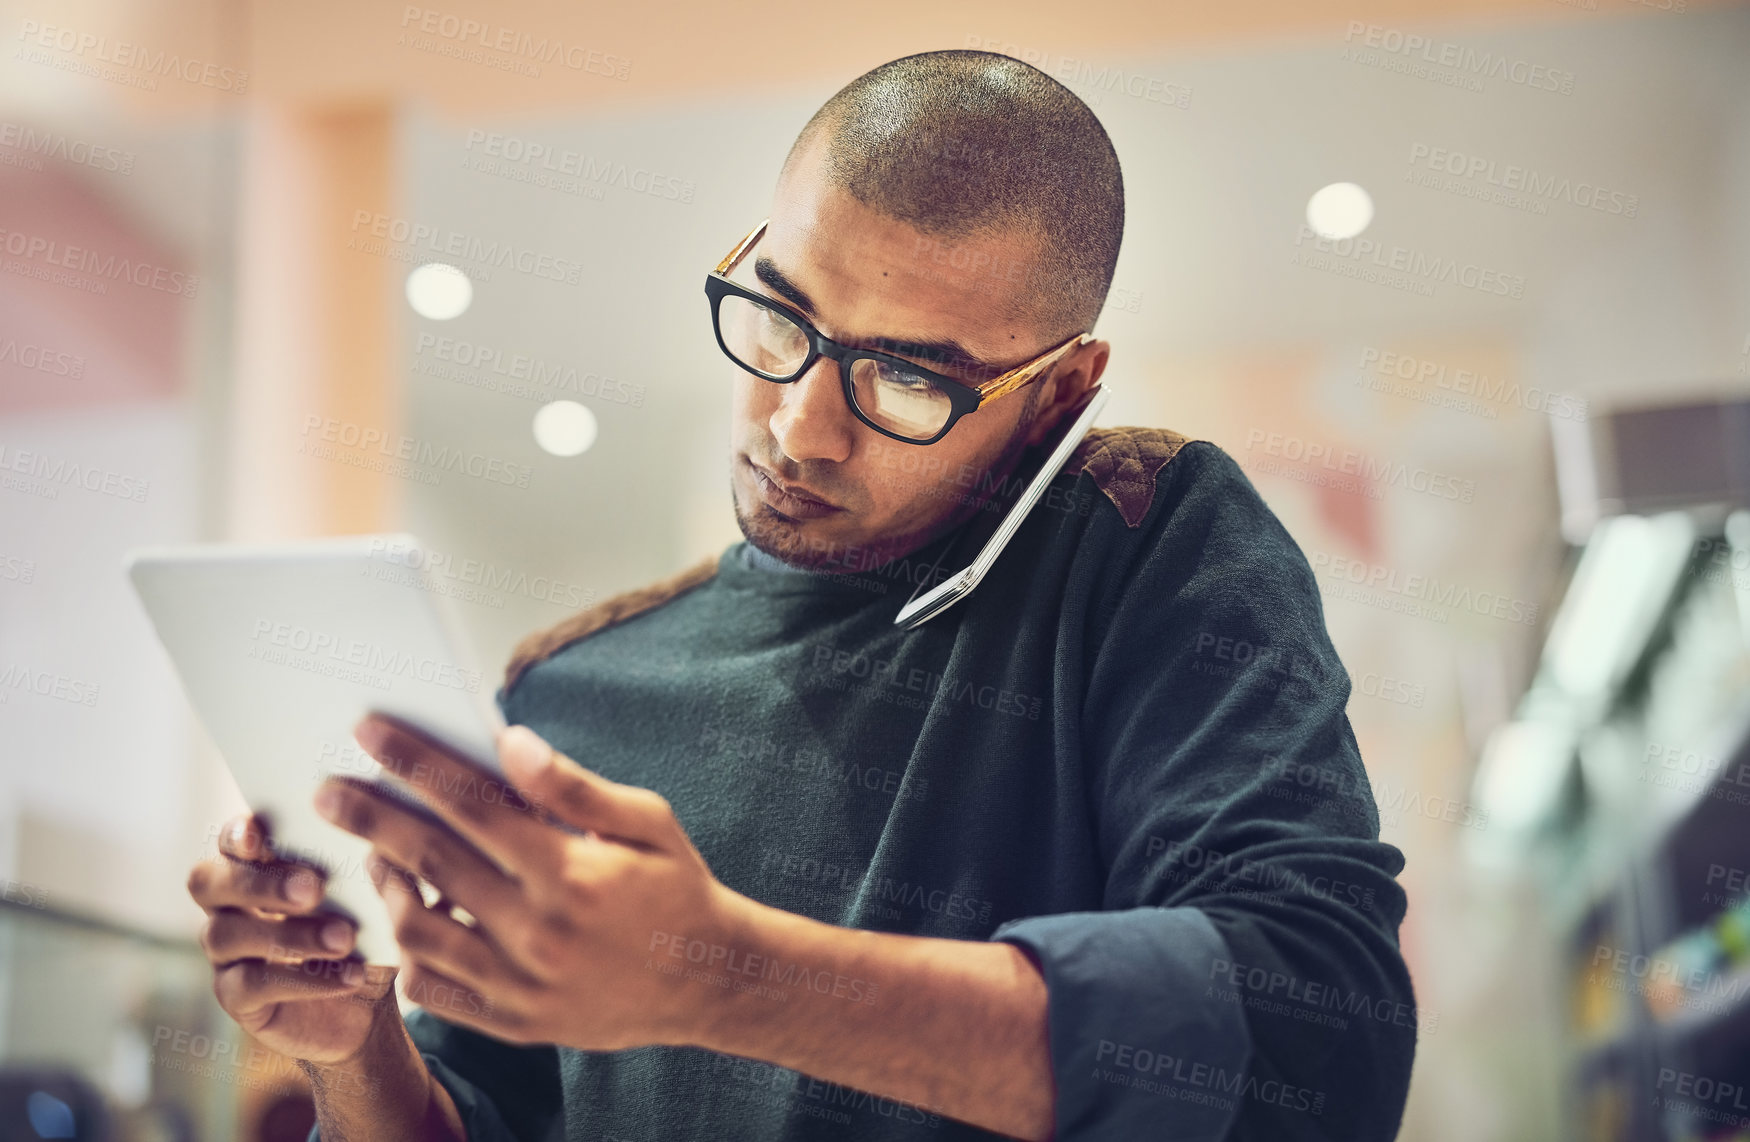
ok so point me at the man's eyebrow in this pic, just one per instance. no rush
(767, 271)
(945, 355)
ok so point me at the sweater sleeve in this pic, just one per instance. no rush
(1136, 1046)
(1247, 952)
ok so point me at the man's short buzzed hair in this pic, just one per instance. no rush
(966, 143)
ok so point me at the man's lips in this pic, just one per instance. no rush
(789, 498)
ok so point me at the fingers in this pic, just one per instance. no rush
(248, 876)
(232, 935)
(456, 1002)
(245, 838)
(489, 813)
(581, 798)
(432, 937)
(248, 987)
(432, 852)
(274, 886)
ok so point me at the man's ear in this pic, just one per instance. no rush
(1069, 382)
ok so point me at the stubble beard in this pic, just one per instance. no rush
(782, 540)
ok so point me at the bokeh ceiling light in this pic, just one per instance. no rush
(439, 291)
(1341, 210)
(565, 428)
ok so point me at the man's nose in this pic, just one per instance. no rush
(812, 421)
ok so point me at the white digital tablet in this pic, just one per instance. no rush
(282, 648)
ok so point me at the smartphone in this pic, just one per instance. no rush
(928, 601)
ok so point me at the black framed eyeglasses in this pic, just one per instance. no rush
(894, 396)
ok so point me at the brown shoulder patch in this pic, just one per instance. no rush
(1124, 463)
(543, 644)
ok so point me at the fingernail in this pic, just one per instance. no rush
(238, 831)
(522, 747)
(337, 935)
(328, 801)
(353, 975)
(302, 888)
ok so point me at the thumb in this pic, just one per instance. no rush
(573, 794)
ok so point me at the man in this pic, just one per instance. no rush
(1089, 856)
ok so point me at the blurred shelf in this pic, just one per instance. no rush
(1731, 1014)
(1681, 1032)
(1635, 752)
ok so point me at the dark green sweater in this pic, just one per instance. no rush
(1127, 751)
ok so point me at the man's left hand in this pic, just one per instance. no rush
(563, 922)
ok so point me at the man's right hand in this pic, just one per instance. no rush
(281, 969)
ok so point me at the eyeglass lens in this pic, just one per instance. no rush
(768, 343)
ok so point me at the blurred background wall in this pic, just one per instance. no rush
(209, 212)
